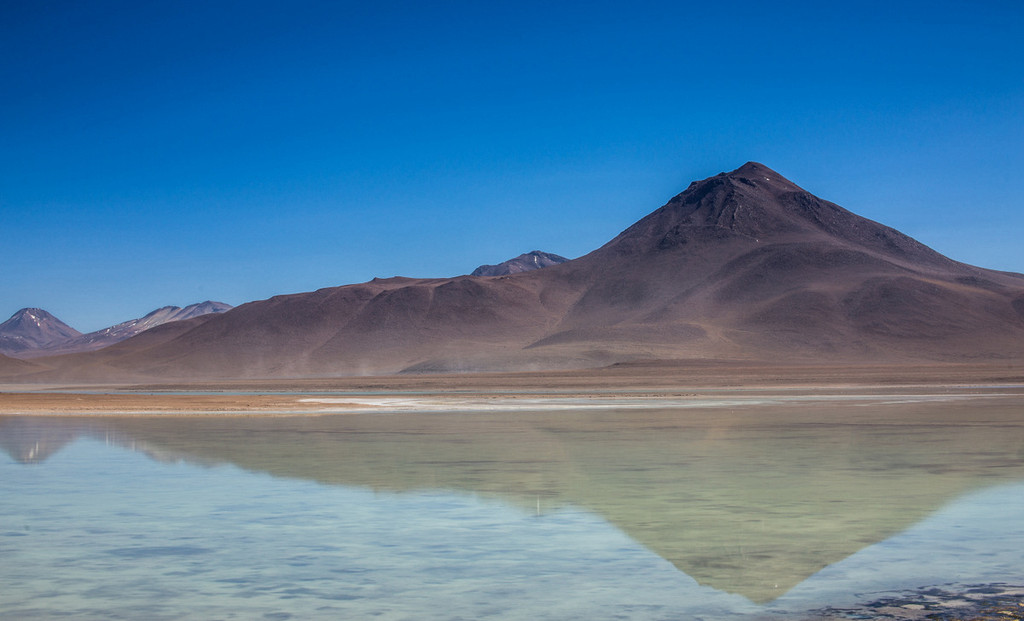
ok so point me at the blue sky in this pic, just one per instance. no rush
(156, 153)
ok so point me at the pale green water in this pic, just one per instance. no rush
(761, 511)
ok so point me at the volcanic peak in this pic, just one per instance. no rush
(31, 328)
(34, 315)
(755, 201)
(756, 205)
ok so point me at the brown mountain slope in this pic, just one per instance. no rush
(741, 265)
(754, 265)
(114, 362)
(13, 367)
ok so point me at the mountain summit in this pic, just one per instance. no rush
(533, 260)
(744, 265)
(756, 203)
(33, 328)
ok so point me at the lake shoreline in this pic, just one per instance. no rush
(637, 385)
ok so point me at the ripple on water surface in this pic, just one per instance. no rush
(623, 514)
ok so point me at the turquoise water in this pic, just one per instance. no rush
(638, 515)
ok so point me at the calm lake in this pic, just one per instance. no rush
(742, 510)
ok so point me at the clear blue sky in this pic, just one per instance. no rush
(156, 153)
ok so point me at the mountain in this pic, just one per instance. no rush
(33, 328)
(743, 265)
(533, 260)
(63, 339)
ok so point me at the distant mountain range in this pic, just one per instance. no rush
(33, 332)
(744, 265)
(533, 260)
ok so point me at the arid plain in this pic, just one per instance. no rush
(649, 384)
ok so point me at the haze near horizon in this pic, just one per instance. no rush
(170, 154)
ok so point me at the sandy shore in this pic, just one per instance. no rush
(693, 384)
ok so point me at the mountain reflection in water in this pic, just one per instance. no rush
(750, 501)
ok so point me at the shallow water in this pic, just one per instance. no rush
(742, 511)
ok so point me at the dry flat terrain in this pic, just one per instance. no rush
(623, 385)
